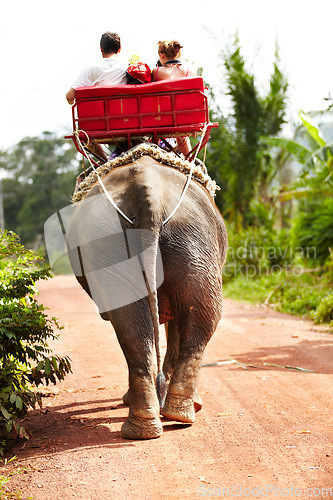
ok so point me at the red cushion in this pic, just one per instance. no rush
(146, 88)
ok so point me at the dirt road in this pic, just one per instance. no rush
(265, 429)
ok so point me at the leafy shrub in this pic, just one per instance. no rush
(293, 298)
(263, 267)
(313, 228)
(255, 290)
(25, 357)
(256, 252)
(324, 311)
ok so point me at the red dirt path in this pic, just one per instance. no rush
(261, 426)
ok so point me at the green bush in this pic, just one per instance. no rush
(303, 295)
(264, 267)
(255, 252)
(324, 311)
(293, 298)
(25, 357)
(313, 228)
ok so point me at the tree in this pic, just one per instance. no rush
(39, 179)
(316, 157)
(313, 189)
(236, 156)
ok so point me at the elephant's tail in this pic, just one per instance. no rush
(149, 272)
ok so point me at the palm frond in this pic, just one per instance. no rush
(305, 192)
(301, 153)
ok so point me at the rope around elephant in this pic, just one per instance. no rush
(155, 152)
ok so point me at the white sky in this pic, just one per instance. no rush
(44, 45)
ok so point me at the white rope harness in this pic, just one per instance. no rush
(188, 179)
(109, 197)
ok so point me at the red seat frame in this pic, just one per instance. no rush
(167, 108)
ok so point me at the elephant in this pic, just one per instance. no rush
(143, 268)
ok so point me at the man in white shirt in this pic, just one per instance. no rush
(107, 71)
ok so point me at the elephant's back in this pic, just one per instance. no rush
(148, 192)
(146, 186)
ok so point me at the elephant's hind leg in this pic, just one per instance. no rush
(171, 359)
(182, 400)
(143, 421)
(171, 355)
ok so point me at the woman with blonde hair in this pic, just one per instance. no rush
(170, 67)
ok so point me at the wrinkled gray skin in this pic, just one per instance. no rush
(193, 247)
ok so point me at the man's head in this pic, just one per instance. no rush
(110, 43)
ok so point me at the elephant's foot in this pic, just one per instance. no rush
(126, 398)
(197, 401)
(141, 428)
(179, 408)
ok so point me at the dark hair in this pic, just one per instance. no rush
(110, 43)
(170, 49)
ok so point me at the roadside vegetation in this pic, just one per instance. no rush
(26, 360)
(264, 267)
(276, 195)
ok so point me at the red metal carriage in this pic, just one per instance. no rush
(148, 112)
